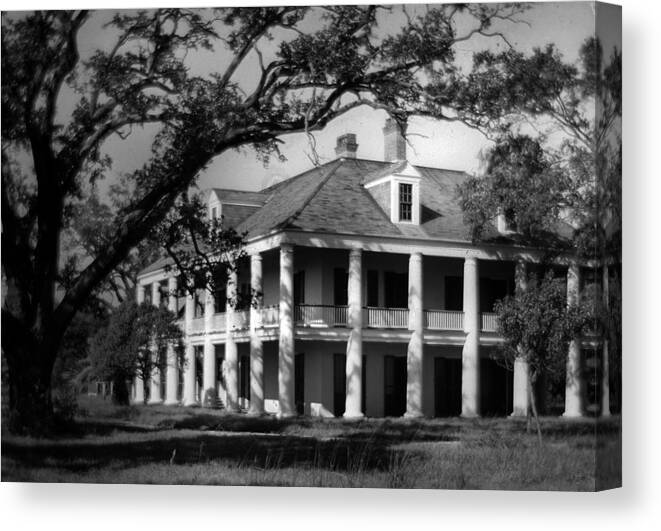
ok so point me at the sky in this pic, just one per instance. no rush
(448, 145)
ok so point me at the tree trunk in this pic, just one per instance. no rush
(30, 401)
(120, 392)
(533, 405)
(30, 359)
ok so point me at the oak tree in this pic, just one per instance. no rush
(275, 71)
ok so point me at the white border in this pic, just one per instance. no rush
(54, 507)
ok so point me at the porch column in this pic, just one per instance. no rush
(605, 369)
(209, 378)
(172, 369)
(256, 349)
(520, 394)
(189, 395)
(155, 382)
(574, 384)
(138, 382)
(470, 356)
(286, 343)
(354, 366)
(415, 347)
(231, 352)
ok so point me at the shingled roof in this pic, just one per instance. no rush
(332, 198)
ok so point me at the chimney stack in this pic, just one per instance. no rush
(346, 146)
(394, 142)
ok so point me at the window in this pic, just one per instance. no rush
(396, 286)
(147, 298)
(340, 286)
(372, 288)
(219, 301)
(164, 294)
(199, 304)
(405, 202)
(491, 291)
(299, 287)
(214, 212)
(454, 293)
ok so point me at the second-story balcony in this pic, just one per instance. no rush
(330, 316)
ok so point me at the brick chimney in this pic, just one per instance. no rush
(394, 143)
(346, 146)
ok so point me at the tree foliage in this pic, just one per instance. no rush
(523, 185)
(579, 181)
(134, 341)
(537, 325)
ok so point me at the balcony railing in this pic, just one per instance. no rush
(326, 316)
(197, 326)
(320, 315)
(444, 320)
(269, 315)
(386, 317)
(218, 322)
(241, 320)
(489, 322)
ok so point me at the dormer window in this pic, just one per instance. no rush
(214, 213)
(398, 194)
(405, 202)
(405, 199)
(506, 222)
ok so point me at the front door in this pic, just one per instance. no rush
(447, 387)
(395, 386)
(495, 388)
(339, 384)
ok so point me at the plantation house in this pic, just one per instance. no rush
(373, 302)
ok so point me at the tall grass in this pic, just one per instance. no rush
(183, 446)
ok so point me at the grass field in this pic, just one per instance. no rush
(171, 445)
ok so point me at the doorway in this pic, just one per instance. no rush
(339, 384)
(447, 387)
(496, 383)
(394, 386)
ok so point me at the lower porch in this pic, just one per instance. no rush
(319, 379)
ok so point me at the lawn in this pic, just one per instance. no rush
(175, 445)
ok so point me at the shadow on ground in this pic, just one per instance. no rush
(258, 450)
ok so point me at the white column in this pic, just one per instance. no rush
(189, 394)
(256, 348)
(138, 382)
(470, 356)
(231, 351)
(286, 342)
(605, 369)
(172, 368)
(354, 365)
(574, 383)
(415, 347)
(209, 379)
(520, 394)
(155, 382)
